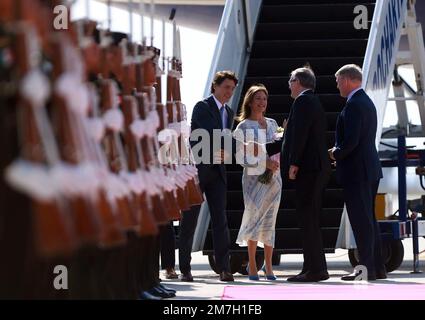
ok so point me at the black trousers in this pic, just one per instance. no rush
(309, 193)
(214, 187)
(360, 202)
(168, 246)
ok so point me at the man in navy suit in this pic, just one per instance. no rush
(359, 169)
(211, 114)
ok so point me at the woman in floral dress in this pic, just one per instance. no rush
(261, 190)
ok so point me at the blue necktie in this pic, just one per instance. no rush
(223, 116)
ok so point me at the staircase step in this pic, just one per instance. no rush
(309, 48)
(330, 138)
(330, 118)
(234, 181)
(279, 85)
(332, 199)
(309, 30)
(288, 218)
(286, 239)
(320, 65)
(291, 238)
(291, 33)
(310, 13)
(283, 103)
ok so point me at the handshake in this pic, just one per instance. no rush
(221, 156)
(252, 148)
(257, 150)
(331, 155)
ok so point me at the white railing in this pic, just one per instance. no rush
(234, 40)
(381, 53)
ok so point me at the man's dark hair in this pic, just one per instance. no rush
(220, 76)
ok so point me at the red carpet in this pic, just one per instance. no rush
(326, 292)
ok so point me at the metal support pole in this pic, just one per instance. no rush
(402, 193)
(415, 241)
(400, 100)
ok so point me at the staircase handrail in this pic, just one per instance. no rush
(233, 46)
(381, 52)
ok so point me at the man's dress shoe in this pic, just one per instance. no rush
(186, 277)
(157, 291)
(163, 287)
(226, 276)
(170, 273)
(309, 277)
(144, 295)
(171, 293)
(354, 275)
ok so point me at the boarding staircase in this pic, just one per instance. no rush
(290, 34)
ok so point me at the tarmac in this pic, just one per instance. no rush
(206, 285)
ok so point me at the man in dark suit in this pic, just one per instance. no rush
(304, 159)
(167, 240)
(358, 168)
(211, 114)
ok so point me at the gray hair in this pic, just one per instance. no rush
(305, 76)
(350, 71)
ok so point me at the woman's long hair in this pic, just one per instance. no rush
(247, 101)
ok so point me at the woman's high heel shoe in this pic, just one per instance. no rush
(270, 277)
(252, 278)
